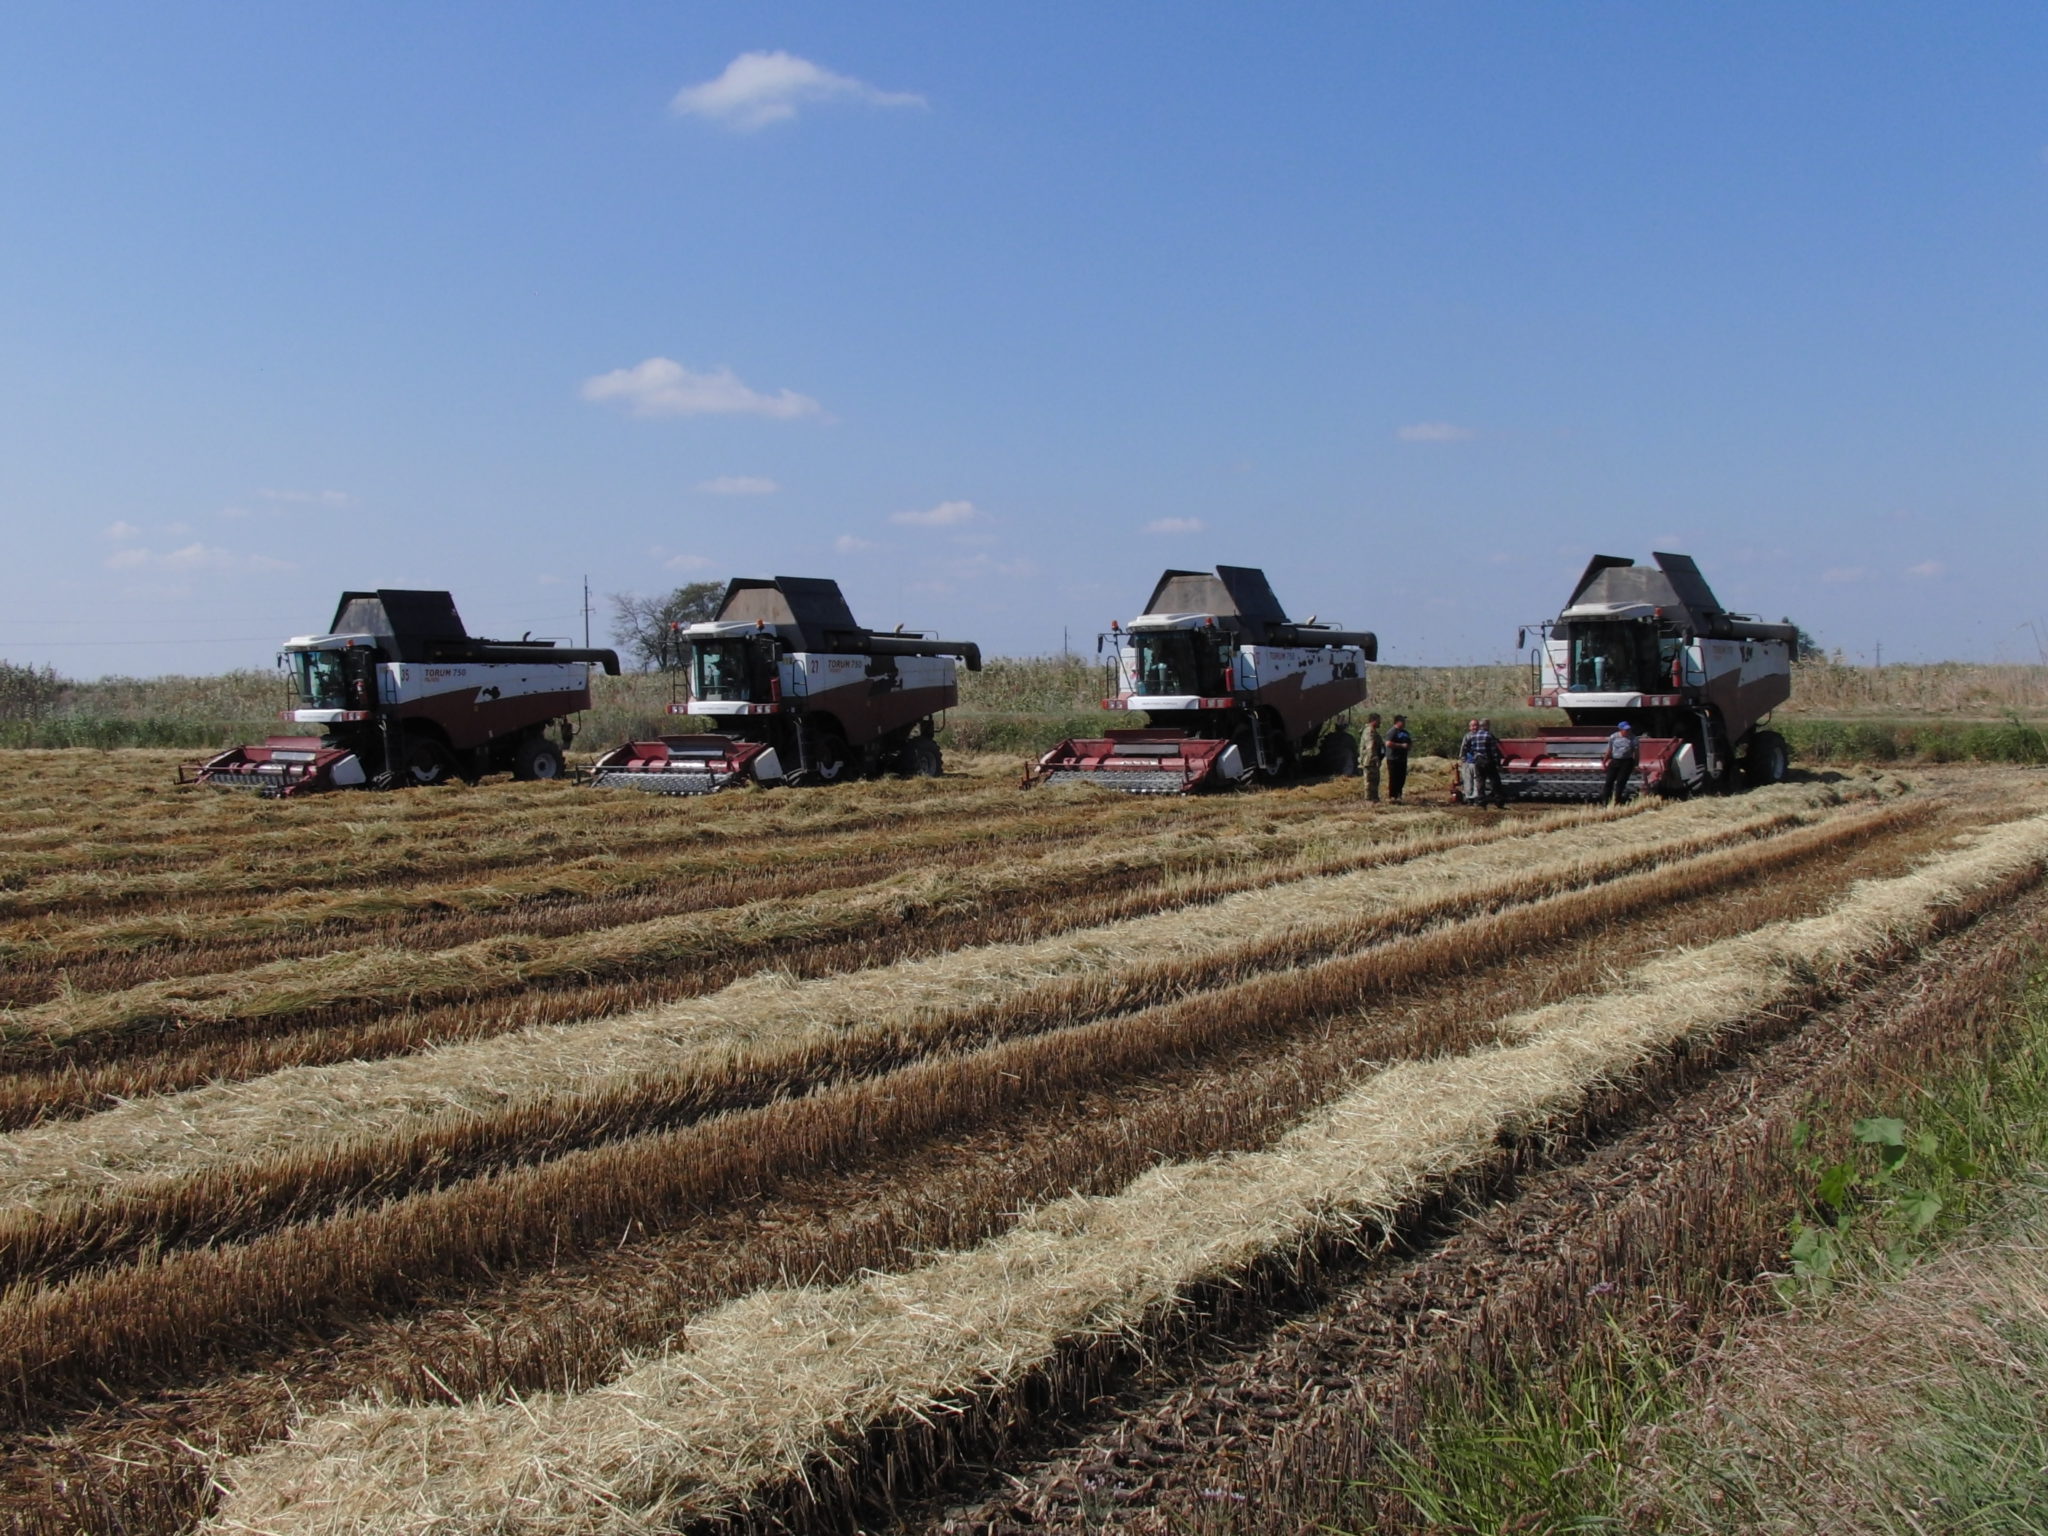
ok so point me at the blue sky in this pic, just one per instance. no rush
(993, 312)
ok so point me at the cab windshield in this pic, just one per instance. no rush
(718, 670)
(320, 679)
(1178, 662)
(1614, 658)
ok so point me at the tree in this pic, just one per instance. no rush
(641, 625)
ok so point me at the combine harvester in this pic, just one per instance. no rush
(803, 695)
(407, 696)
(1655, 648)
(1231, 688)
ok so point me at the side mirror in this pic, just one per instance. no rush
(1098, 644)
(1522, 639)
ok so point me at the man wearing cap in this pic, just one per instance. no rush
(1620, 762)
(1375, 753)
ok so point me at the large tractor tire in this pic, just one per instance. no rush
(921, 759)
(1338, 755)
(425, 761)
(1768, 759)
(827, 759)
(536, 758)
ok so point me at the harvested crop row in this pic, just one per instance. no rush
(158, 1317)
(135, 1065)
(374, 978)
(1287, 1436)
(565, 1325)
(544, 907)
(318, 914)
(767, 1035)
(347, 855)
(775, 1381)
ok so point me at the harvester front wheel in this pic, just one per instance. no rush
(537, 758)
(1338, 755)
(426, 761)
(826, 752)
(921, 759)
(1768, 759)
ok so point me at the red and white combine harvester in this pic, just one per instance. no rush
(1231, 689)
(799, 693)
(1654, 648)
(403, 694)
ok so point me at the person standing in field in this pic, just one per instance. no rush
(1486, 783)
(1468, 778)
(1398, 743)
(1375, 746)
(1620, 762)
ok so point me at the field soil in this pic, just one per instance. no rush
(337, 1130)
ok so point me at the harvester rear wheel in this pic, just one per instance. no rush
(921, 759)
(537, 758)
(426, 761)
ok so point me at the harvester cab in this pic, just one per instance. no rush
(1230, 687)
(798, 693)
(403, 694)
(1654, 647)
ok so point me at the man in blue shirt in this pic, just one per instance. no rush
(1398, 743)
(1620, 763)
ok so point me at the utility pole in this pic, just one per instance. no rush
(586, 611)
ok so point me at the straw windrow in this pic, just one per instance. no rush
(788, 1033)
(774, 1381)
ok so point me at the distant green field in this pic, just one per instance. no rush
(1944, 712)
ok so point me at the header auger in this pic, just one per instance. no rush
(1653, 647)
(1231, 689)
(405, 695)
(803, 694)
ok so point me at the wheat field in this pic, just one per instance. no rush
(528, 1158)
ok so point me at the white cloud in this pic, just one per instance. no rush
(757, 89)
(1175, 525)
(947, 514)
(194, 557)
(181, 529)
(660, 386)
(1842, 575)
(738, 485)
(121, 533)
(1434, 432)
(1927, 568)
(686, 563)
(852, 544)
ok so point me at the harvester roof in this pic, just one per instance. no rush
(809, 613)
(1614, 587)
(1241, 600)
(423, 626)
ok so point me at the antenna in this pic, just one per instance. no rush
(586, 610)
